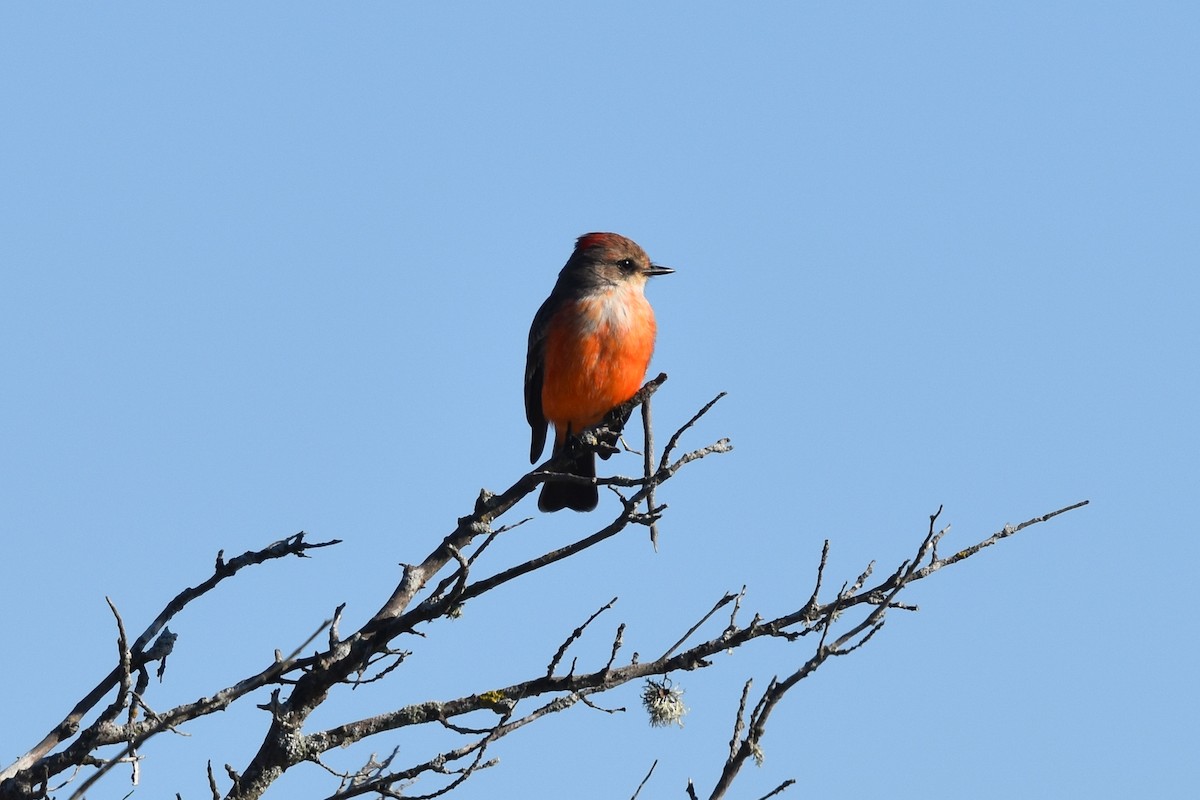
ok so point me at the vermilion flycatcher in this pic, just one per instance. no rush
(589, 347)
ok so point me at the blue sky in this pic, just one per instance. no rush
(271, 268)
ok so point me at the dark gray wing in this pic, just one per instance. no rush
(534, 368)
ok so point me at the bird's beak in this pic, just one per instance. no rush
(655, 269)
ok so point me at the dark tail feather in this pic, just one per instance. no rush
(575, 496)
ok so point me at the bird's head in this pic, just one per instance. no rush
(609, 258)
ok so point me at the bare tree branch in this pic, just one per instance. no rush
(298, 685)
(139, 657)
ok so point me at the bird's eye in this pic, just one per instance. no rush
(627, 264)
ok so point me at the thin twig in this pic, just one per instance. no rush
(724, 601)
(647, 467)
(575, 634)
(643, 783)
(778, 789)
(739, 720)
(674, 440)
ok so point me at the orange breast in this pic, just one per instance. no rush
(597, 351)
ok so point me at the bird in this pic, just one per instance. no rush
(589, 346)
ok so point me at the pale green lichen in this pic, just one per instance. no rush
(664, 703)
